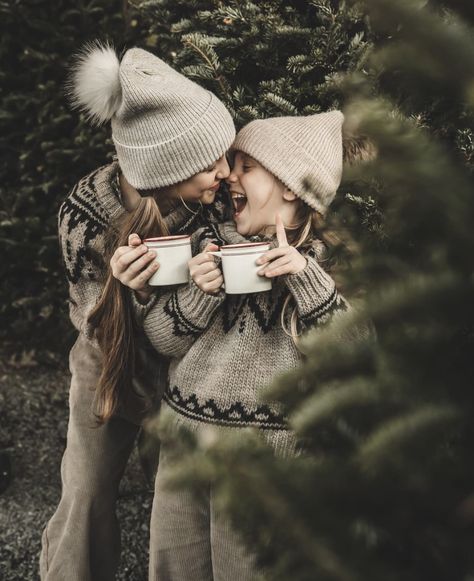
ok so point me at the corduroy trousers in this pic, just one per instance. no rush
(81, 542)
(189, 539)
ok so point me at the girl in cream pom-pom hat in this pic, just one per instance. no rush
(170, 137)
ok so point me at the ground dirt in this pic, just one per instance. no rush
(33, 425)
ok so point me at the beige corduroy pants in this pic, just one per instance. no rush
(189, 539)
(81, 542)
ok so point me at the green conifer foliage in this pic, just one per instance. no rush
(384, 487)
(262, 58)
(46, 148)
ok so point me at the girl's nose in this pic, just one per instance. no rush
(223, 168)
(232, 178)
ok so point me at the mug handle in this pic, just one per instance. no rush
(217, 253)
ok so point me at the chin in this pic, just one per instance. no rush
(208, 197)
(241, 229)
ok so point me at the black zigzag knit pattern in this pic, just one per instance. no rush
(219, 380)
(235, 415)
(323, 312)
(264, 307)
(82, 218)
(181, 325)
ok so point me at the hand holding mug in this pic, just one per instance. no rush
(133, 266)
(205, 272)
(282, 260)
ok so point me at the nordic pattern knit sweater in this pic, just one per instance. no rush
(226, 348)
(92, 208)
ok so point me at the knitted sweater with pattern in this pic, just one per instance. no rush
(92, 208)
(226, 348)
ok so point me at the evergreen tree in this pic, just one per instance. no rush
(261, 58)
(384, 486)
(46, 148)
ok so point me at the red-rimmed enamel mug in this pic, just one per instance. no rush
(240, 269)
(173, 255)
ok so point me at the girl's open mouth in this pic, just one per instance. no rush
(239, 202)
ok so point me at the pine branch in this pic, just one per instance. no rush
(195, 42)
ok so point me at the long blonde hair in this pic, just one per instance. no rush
(310, 225)
(112, 317)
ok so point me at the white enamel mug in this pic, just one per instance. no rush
(173, 254)
(240, 269)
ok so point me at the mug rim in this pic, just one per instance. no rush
(166, 238)
(245, 244)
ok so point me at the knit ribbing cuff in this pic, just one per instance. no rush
(313, 290)
(193, 307)
(140, 310)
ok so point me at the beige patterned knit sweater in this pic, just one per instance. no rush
(91, 209)
(226, 348)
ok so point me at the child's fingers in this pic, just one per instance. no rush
(272, 254)
(124, 256)
(274, 265)
(280, 231)
(121, 250)
(137, 266)
(201, 258)
(211, 247)
(210, 282)
(134, 240)
(140, 282)
(208, 277)
(271, 271)
(213, 286)
(201, 269)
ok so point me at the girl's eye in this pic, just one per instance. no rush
(246, 167)
(209, 169)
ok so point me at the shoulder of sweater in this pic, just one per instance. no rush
(83, 200)
(83, 221)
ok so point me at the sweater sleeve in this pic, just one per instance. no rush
(177, 319)
(84, 218)
(315, 294)
(319, 303)
(84, 273)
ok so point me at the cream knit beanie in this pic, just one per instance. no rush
(299, 150)
(165, 127)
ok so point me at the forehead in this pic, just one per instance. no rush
(241, 156)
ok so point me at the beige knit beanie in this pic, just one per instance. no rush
(165, 127)
(298, 150)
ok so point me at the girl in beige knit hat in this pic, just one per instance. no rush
(226, 348)
(170, 136)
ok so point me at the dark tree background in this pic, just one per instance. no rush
(45, 149)
(385, 489)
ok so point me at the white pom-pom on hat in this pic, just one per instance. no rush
(94, 84)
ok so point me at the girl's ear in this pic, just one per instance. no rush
(289, 196)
